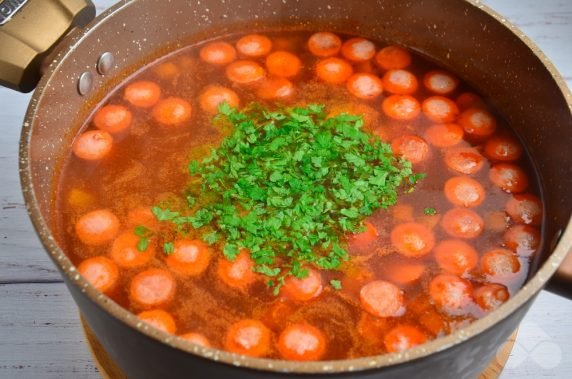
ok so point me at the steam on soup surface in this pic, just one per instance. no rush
(298, 195)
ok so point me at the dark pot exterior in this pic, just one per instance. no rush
(475, 43)
(139, 356)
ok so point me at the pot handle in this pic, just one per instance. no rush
(29, 32)
(561, 282)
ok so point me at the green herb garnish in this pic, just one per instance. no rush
(336, 284)
(144, 234)
(430, 211)
(168, 248)
(288, 185)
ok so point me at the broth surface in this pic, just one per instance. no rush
(148, 162)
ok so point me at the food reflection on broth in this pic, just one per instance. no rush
(300, 196)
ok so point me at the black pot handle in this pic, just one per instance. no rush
(561, 282)
(29, 32)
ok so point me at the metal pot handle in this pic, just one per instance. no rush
(561, 282)
(29, 32)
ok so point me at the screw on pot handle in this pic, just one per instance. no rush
(29, 32)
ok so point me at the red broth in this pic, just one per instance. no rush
(446, 254)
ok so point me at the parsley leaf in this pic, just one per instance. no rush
(230, 251)
(164, 214)
(211, 238)
(336, 284)
(141, 231)
(168, 248)
(430, 211)
(144, 234)
(143, 244)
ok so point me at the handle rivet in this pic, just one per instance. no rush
(105, 63)
(85, 83)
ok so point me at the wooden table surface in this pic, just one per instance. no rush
(40, 335)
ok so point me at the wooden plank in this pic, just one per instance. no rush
(40, 334)
(23, 258)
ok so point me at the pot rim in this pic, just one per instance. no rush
(532, 286)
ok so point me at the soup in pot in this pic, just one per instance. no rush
(300, 196)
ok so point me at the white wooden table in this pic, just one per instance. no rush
(40, 335)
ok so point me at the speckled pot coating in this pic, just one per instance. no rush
(465, 35)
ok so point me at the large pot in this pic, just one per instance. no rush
(466, 36)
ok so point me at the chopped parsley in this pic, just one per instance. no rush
(288, 185)
(168, 248)
(430, 211)
(144, 234)
(336, 284)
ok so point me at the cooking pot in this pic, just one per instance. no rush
(95, 56)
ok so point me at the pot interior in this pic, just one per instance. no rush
(457, 34)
